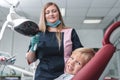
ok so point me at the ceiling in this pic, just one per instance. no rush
(76, 11)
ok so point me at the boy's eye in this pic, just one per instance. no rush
(78, 63)
(71, 58)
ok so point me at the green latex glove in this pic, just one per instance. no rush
(34, 41)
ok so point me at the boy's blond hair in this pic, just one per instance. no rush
(85, 53)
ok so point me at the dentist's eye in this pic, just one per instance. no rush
(54, 11)
(47, 12)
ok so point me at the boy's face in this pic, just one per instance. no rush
(74, 63)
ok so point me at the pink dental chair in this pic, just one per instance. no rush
(95, 67)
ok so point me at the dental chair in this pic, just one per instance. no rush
(95, 67)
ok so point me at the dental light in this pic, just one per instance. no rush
(19, 23)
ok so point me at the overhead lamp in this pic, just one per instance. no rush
(92, 20)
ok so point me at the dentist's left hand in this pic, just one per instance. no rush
(34, 42)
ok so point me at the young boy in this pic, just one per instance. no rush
(77, 60)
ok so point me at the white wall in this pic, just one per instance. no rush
(91, 37)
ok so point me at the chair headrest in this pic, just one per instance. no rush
(109, 31)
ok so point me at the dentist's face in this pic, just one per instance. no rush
(51, 14)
